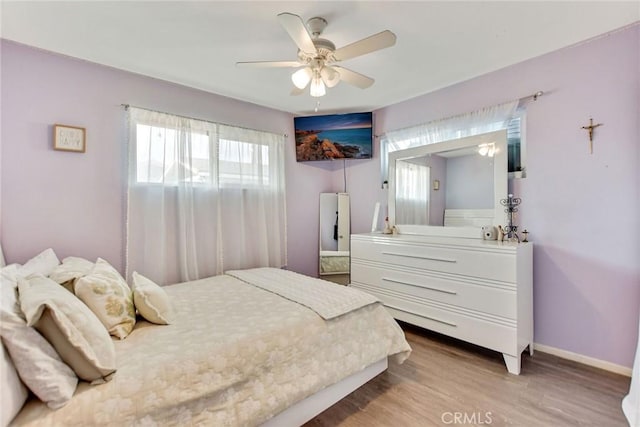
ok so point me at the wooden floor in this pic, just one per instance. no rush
(449, 383)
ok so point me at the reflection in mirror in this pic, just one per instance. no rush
(455, 183)
(412, 198)
(419, 203)
(334, 237)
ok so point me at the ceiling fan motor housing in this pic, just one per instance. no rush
(316, 26)
(324, 49)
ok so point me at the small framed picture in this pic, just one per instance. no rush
(69, 138)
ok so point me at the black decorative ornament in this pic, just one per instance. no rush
(511, 203)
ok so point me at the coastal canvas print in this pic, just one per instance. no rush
(336, 136)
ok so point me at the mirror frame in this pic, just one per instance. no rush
(500, 182)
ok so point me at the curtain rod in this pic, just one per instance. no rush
(127, 106)
(535, 96)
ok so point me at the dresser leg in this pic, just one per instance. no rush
(513, 363)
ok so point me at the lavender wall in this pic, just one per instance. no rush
(582, 209)
(75, 202)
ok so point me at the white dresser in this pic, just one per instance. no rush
(470, 289)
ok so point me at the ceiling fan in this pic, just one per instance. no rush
(316, 56)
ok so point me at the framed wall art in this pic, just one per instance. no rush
(69, 138)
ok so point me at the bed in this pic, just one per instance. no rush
(238, 353)
(334, 262)
(468, 217)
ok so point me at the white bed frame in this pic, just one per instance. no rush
(306, 409)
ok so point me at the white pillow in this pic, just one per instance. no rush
(12, 390)
(106, 293)
(9, 288)
(43, 263)
(72, 268)
(2, 261)
(9, 274)
(37, 363)
(69, 325)
(151, 300)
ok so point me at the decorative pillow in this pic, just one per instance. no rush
(12, 390)
(37, 363)
(9, 287)
(43, 263)
(72, 268)
(72, 329)
(106, 293)
(9, 274)
(151, 300)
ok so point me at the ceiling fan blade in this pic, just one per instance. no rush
(270, 64)
(296, 91)
(370, 44)
(298, 32)
(353, 78)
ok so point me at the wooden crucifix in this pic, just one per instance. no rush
(590, 128)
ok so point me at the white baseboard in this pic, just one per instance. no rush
(585, 360)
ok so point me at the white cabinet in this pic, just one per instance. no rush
(474, 290)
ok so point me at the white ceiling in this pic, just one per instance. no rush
(198, 43)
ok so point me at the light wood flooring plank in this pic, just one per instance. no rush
(445, 378)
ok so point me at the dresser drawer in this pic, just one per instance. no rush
(499, 336)
(465, 292)
(493, 265)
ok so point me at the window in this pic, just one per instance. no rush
(203, 197)
(243, 164)
(159, 157)
(515, 142)
(166, 156)
(489, 119)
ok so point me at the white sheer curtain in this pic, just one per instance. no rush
(488, 119)
(252, 198)
(183, 181)
(412, 198)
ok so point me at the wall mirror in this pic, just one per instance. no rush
(335, 230)
(450, 188)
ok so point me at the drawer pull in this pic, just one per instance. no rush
(435, 319)
(446, 291)
(420, 257)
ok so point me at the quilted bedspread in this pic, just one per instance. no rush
(236, 355)
(325, 298)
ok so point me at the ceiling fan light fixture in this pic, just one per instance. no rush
(317, 55)
(302, 77)
(317, 87)
(330, 77)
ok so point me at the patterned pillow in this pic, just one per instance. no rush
(106, 293)
(71, 269)
(71, 328)
(151, 300)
